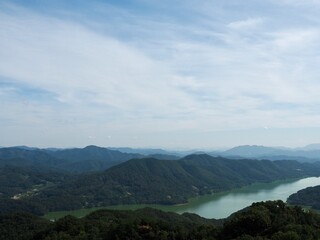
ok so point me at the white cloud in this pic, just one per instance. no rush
(297, 39)
(246, 24)
(79, 65)
(232, 74)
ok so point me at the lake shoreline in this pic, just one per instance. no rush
(195, 204)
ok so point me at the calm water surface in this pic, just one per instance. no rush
(223, 204)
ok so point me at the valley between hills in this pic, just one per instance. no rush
(45, 180)
(38, 181)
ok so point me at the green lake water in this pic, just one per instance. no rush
(219, 205)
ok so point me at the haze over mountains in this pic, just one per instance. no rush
(307, 153)
(92, 158)
(89, 158)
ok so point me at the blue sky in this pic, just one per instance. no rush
(171, 74)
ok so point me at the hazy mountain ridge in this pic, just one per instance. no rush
(93, 153)
(250, 151)
(144, 151)
(90, 158)
(309, 153)
(25, 157)
(107, 157)
(313, 146)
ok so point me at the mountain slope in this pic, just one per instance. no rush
(93, 153)
(19, 184)
(250, 151)
(306, 197)
(308, 154)
(86, 159)
(168, 182)
(265, 220)
(15, 180)
(91, 158)
(26, 157)
(152, 151)
(314, 146)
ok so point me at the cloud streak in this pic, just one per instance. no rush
(141, 76)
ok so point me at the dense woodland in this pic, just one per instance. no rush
(265, 220)
(93, 158)
(145, 180)
(76, 160)
(307, 197)
(33, 182)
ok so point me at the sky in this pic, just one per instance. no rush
(182, 74)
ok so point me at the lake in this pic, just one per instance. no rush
(220, 205)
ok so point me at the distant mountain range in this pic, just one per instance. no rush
(64, 179)
(93, 158)
(143, 151)
(36, 181)
(314, 146)
(90, 158)
(309, 153)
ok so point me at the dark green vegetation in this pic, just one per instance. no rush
(14, 180)
(265, 220)
(173, 182)
(152, 151)
(37, 181)
(19, 184)
(144, 180)
(307, 197)
(86, 159)
(272, 220)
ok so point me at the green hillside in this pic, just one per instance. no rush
(265, 220)
(90, 158)
(306, 197)
(166, 182)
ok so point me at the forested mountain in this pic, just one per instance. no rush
(93, 158)
(144, 180)
(90, 158)
(19, 184)
(26, 157)
(265, 220)
(15, 180)
(147, 151)
(163, 156)
(166, 182)
(306, 197)
(93, 153)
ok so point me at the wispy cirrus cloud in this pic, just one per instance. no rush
(247, 24)
(128, 71)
